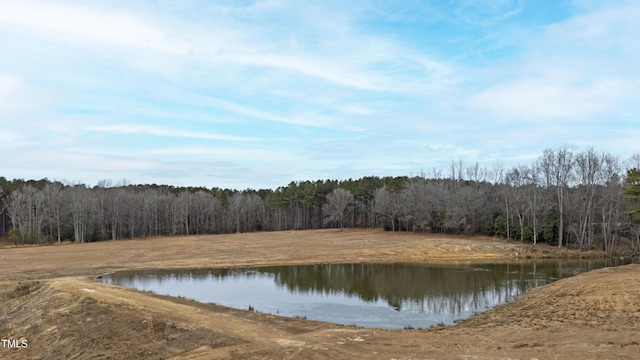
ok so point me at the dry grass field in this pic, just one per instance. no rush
(49, 298)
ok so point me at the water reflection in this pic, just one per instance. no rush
(370, 295)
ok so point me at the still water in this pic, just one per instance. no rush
(391, 296)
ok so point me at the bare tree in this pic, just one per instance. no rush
(18, 210)
(183, 202)
(203, 213)
(505, 192)
(3, 209)
(455, 170)
(588, 172)
(254, 212)
(477, 173)
(534, 198)
(55, 205)
(515, 180)
(338, 206)
(387, 206)
(556, 167)
(633, 162)
(611, 214)
(28, 212)
(133, 211)
(476, 176)
(578, 194)
(80, 208)
(236, 208)
(415, 199)
(632, 206)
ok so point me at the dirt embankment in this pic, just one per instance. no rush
(48, 298)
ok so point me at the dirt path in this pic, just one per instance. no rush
(48, 297)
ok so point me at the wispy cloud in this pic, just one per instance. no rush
(352, 64)
(8, 85)
(575, 70)
(262, 115)
(11, 139)
(258, 155)
(487, 12)
(88, 23)
(275, 90)
(551, 96)
(166, 132)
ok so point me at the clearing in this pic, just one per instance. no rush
(49, 298)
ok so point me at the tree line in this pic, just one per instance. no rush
(584, 199)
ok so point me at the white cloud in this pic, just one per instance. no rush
(9, 84)
(78, 164)
(84, 22)
(257, 114)
(340, 57)
(10, 139)
(616, 26)
(336, 70)
(359, 110)
(18, 97)
(574, 70)
(165, 132)
(552, 96)
(307, 84)
(486, 12)
(261, 155)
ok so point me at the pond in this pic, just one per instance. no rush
(390, 296)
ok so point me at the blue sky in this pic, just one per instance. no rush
(260, 93)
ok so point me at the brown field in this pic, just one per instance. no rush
(48, 297)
